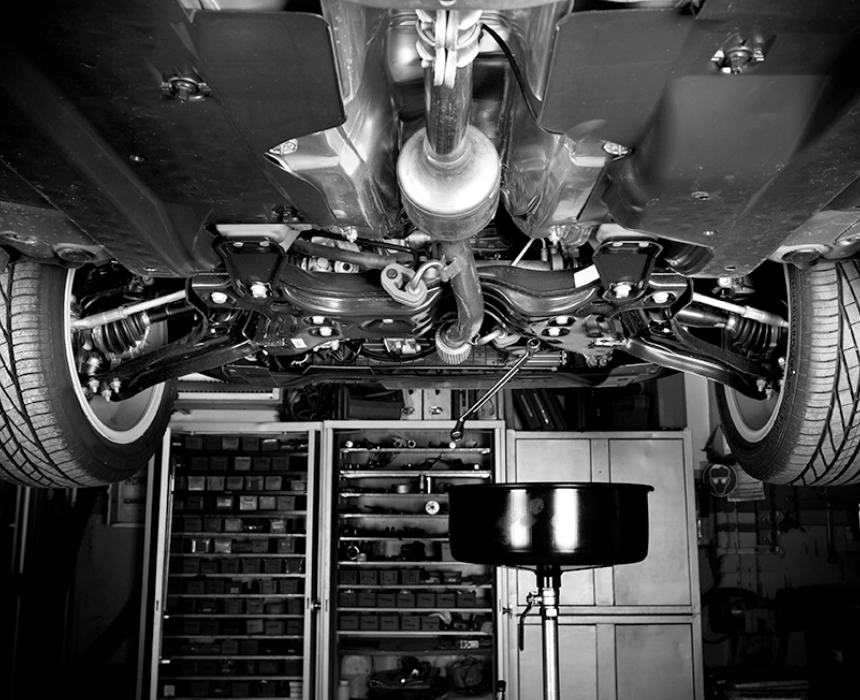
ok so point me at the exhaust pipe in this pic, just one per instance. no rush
(449, 173)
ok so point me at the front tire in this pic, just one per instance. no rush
(808, 433)
(51, 433)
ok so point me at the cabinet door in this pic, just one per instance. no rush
(647, 659)
(665, 578)
(554, 459)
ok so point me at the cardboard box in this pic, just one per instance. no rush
(247, 503)
(233, 606)
(212, 525)
(386, 599)
(232, 524)
(254, 483)
(191, 627)
(367, 599)
(262, 464)
(195, 587)
(389, 577)
(193, 442)
(286, 545)
(410, 577)
(229, 566)
(251, 566)
(254, 627)
(267, 587)
(295, 565)
(269, 668)
(272, 566)
(285, 502)
(216, 587)
(368, 622)
(289, 585)
(190, 566)
(242, 464)
(234, 587)
(208, 627)
(194, 503)
(294, 627)
(425, 599)
(430, 623)
(224, 503)
(275, 608)
(240, 689)
(410, 623)
(294, 606)
(275, 627)
(280, 464)
(405, 599)
(466, 599)
(267, 502)
(222, 545)
(234, 483)
(389, 622)
(212, 442)
(259, 545)
(348, 622)
(348, 577)
(347, 599)
(273, 483)
(199, 545)
(249, 647)
(221, 464)
(254, 606)
(250, 443)
(196, 483)
(230, 443)
(368, 577)
(446, 600)
(199, 464)
(209, 566)
(193, 524)
(215, 483)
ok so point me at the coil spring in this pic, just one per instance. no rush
(122, 339)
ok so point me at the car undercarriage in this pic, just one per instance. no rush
(439, 193)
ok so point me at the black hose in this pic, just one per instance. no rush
(367, 260)
(528, 95)
(467, 291)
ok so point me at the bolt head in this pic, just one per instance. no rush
(325, 332)
(284, 149)
(259, 291)
(115, 385)
(391, 274)
(318, 320)
(562, 320)
(106, 394)
(622, 290)
(218, 298)
(93, 385)
(660, 297)
(554, 332)
(615, 149)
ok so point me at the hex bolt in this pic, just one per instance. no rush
(622, 290)
(259, 291)
(93, 385)
(562, 320)
(660, 297)
(760, 384)
(391, 274)
(115, 385)
(325, 331)
(106, 394)
(725, 282)
(218, 298)
(318, 320)
(554, 332)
